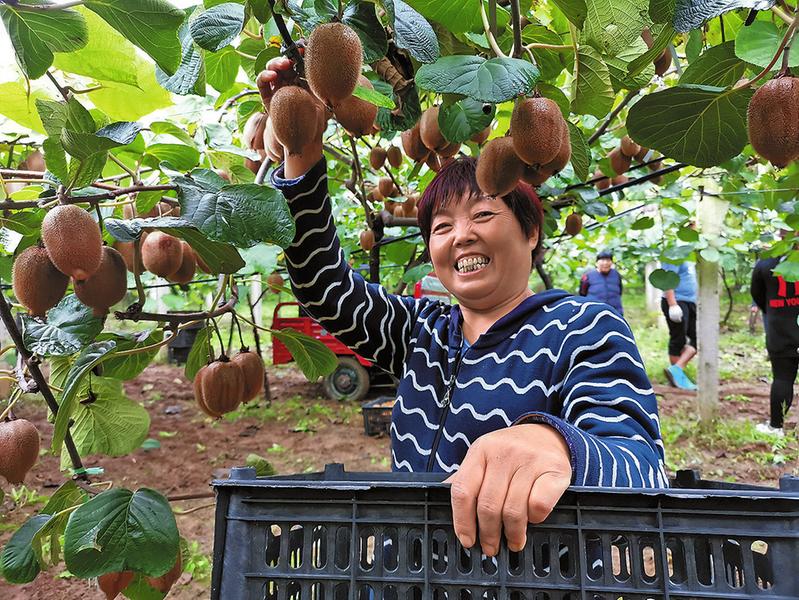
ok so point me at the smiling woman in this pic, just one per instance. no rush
(515, 395)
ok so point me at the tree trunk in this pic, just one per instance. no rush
(651, 293)
(707, 333)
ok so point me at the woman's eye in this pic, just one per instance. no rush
(483, 214)
(440, 227)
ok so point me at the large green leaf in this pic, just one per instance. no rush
(106, 421)
(243, 215)
(178, 156)
(462, 119)
(221, 68)
(18, 560)
(717, 66)
(690, 14)
(550, 62)
(120, 530)
(69, 495)
(19, 106)
(661, 35)
(198, 355)
(152, 25)
(36, 34)
(701, 126)
(218, 26)
(412, 31)
(581, 153)
(220, 257)
(663, 279)
(84, 363)
(758, 43)
(592, 92)
(190, 75)
(57, 116)
(313, 357)
(130, 102)
(575, 10)
(361, 16)
(70, 327)
(618, 68)
(129, 366)
(494, 80)
(662, 11)
(613, 25)
(373, 97)
(457, 15)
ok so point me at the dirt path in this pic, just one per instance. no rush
(302, 431)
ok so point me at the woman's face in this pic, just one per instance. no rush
(480, 252)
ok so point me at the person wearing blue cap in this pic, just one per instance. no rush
(603, 284)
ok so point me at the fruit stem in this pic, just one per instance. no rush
(782, 47)
(137, 268)
(292, 51)
(219, 338)
(516, 17)
(492, 41)
(12, 401)
(238, 327)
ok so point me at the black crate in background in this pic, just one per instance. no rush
(372, 536)
(376, 418)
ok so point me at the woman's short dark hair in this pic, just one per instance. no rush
(457, 179)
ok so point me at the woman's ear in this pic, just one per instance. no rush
(533, 239)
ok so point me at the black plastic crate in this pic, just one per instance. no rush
(377, 415)
(371, 536)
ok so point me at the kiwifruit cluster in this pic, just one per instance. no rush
(19, 449)
(220, 386)
(538, 147)
(621, 159)
(107, 286)
(773, 120)
(379, 155)
(169, 257)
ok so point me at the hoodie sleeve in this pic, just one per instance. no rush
(758, 287)
(375, 324)
(608, 411)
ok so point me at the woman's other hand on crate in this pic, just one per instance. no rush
(509, 478)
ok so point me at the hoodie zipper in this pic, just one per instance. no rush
(444, 412)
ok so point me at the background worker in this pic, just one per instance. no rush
(603, 284)
(679, 307)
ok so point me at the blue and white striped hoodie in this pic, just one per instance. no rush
(555, 359)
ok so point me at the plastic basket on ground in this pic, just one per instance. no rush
(370, 536)
(377, 415)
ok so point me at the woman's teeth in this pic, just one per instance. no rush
(473, 263)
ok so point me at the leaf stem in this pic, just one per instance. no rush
(490, 36)
(558, 47)
(244, 54)
(46, 7)
(125, 168)
(516, 17)
(16, 395)
(782, 14)
(785, 41)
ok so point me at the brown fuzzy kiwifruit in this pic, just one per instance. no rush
(222, 386)
(602, 181)
(377, 157)
(662, 63)
(574, 224)
(534, 176)
(165, 582)
(449, 150)
(557, 164)
(129, 211)
(498, 167)
(107, 286)
(367, 240)
(72, 240)
(537, 128)
(399, 211)
(629, 147)
(112, 584)
(19, 449)
(355, 115)
(619, 179)
(272, 147)
(37, 284)
(641, 155)
(481, 136)
(295, 118)
(377, 195)
(394, 156)
(253, 133)
(187, 268)
(252, 366)
(253, 165)
(128, 252)
(386, 187)
(773, 120)
(412, 144)
(429, 130)
(333, 61)
(618, 161)
(433, 162)
(275, 282)
(198, 392)
(161, 253)
(408, 205)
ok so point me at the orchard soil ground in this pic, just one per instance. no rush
(302, 430)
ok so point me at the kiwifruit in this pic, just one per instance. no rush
(165, 582)
(19, 449)
(253, 368)
(33, 162)
(222, 386)
(253, 133)
(201, 264)
(429, 131)
(449, 150)
(161, 253)
(198, 392)
(295, 118)
(333, 61)
(127, 250)
(773, 120)
(367, 240)
(603, 183)
(408, 205)
(641, 155)
(222, 174)
(112, 584)
(37, 284)
(390, 205)
(354, 114)
(536, 126)
(498, 167)
(394, 155)
(273, 148)
(534, 176)
(619, 179)
(574, 224)
(163, 209)
(662, 63)
(253, 165)
(129, 211)
(107, 286)
(629, 147)
(433, 162)
(72, 240)
(377, 195)
(412, 144)
(481, 136)
(386, 187)
(557, 164)
(188, 266)
(398, 211)
(618, 161)
(377, 157)
(655, 166)
(275, 282)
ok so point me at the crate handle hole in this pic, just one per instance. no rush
(761, 558)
